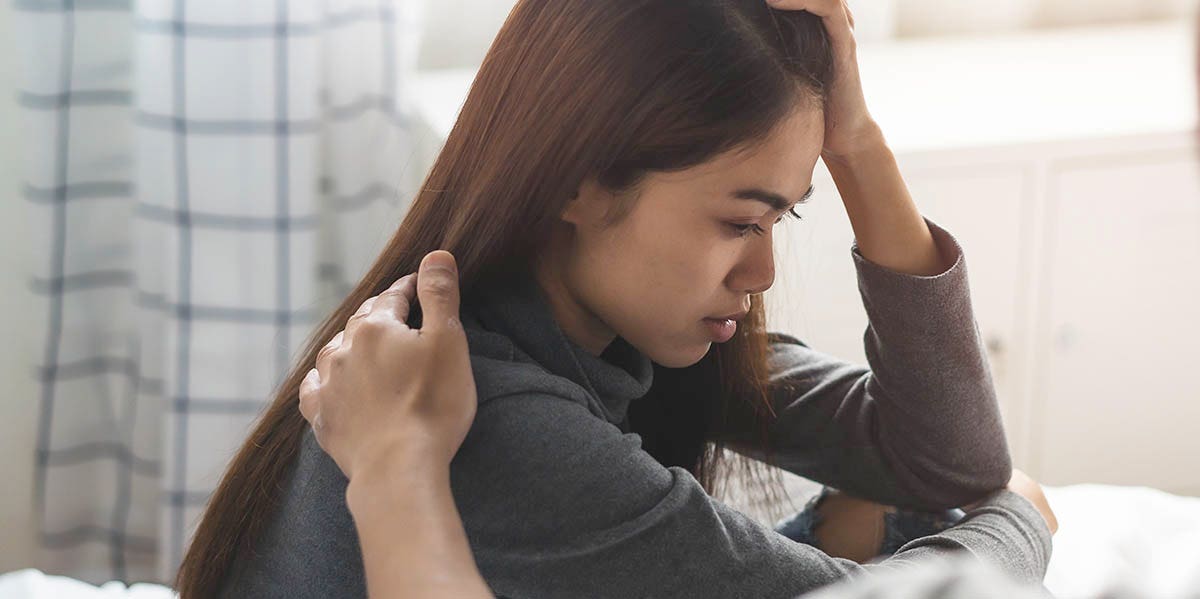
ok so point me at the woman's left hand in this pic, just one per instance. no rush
(849, 126)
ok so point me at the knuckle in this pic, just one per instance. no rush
(395, 292)
(365, 306)
(440, 286)
(309, 402)
(333, 344)
(371, 327)
(308, 406)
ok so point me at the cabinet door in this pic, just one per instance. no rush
(816, 296)
(1119, 399)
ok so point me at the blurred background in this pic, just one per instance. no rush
(187, 187)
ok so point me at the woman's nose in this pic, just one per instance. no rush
(756, 272)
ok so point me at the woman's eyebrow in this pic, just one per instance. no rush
(771, 199)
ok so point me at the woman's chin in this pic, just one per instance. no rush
(683, 357)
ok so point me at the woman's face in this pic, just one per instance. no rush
(687, 250)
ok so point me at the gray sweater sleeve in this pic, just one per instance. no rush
(559, 503)
(919, 426)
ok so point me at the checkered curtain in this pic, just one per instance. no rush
(205, 180)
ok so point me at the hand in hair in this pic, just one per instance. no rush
(849, 126)
(381, 388)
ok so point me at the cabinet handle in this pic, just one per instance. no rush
(1066, 337)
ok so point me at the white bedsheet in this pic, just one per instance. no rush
(33, 584)
(1127, 542)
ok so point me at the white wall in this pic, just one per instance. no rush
(18, 402)
(917, 18)
(449, 40)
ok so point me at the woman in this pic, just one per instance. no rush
(610, 190)
(392, 436)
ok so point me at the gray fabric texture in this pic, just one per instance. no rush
(559, 500)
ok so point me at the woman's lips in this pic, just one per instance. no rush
(720, 329)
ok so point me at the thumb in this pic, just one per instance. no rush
(437, 290)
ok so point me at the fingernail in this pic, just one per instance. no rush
(441, 260)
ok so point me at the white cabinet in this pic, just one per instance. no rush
(1119, 397)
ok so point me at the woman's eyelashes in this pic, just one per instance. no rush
(746, 230)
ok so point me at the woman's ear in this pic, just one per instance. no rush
(588, 206)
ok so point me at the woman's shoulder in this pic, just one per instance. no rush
(778, 338)
(501, 369)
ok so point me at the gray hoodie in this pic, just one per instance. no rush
(558, 498)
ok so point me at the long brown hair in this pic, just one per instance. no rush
(570, 89)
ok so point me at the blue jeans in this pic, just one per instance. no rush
(899, 528)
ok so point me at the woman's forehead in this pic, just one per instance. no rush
(782, 163)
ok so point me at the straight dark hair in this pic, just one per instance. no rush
(569, 90)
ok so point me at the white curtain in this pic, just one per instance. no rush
(205, 179)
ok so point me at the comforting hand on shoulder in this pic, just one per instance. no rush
(381, 387)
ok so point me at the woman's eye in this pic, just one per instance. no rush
(746, 230)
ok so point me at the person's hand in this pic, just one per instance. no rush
(849, 126)
(1026, 487)
(381, 389)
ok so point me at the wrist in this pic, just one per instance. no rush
(411, 446)
(866, 145)
(387, 473)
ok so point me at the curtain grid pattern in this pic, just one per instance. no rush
(205, 180)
